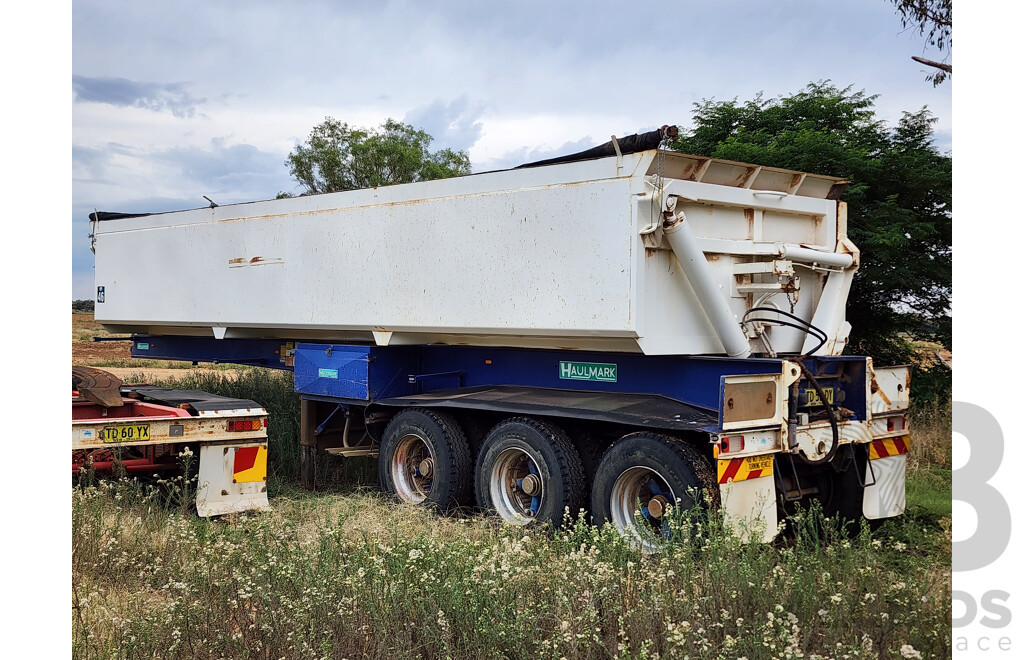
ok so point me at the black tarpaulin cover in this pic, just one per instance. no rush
(627, 145)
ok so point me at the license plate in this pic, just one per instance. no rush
(126, 433)
(814, 400)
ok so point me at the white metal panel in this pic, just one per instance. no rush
(532, 263)
(547, 257)
(890, 389)
(750, 509)
(887, 496)
(216, 491)
(815, 439)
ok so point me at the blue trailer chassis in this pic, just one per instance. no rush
(364, 375)
(611, 423)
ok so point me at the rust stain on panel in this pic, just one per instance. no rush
(875, 389)
(240, 262)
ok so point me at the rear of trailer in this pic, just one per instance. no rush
(212, 446)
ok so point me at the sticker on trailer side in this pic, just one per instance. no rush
(599, 371)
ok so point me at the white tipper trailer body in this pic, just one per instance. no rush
(566, 256)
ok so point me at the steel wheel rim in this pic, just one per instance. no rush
(632, 505)
(411, 484)
(514, 500)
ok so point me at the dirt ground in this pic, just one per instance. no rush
(116, 357)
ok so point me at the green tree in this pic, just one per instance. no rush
(338, 157)
(900, 200)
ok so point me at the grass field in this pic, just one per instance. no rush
(345, 573)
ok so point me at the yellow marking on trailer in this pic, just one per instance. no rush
(258, 471)
(889, 447)
(739, 469)
(126, 433)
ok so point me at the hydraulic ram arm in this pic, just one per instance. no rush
(695, 266)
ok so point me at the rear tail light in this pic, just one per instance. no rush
(731, 443)
(245, 425)
(896, 423)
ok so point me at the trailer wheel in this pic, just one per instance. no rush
(424, 458)
(528, 471)
(641, 475)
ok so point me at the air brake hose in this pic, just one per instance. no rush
(831, 417)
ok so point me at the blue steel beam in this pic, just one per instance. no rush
(272, 353)
(369, 373)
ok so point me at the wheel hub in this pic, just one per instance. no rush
(516, 485)
(656, 507)
(531, 484)
(412, 468)
(640, 497)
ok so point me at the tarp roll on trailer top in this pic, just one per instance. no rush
(627, 145)
(107, 215)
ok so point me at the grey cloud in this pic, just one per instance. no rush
(455, 125)
(88, 163)
(129, 93)
(239, 168)
(523, 155)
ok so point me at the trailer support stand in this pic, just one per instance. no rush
(307, 441)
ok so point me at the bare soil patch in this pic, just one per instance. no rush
(85, 351)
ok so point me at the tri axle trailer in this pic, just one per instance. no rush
(616, 333)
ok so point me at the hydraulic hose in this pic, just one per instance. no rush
(831, 417)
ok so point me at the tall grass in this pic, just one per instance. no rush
(931, 431)
(354, 575)
(357, 576)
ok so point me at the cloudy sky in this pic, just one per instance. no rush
(173, 101)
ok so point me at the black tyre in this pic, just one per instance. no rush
(590, 450)
(528, 472)
(643, 473)
(424, 458)
(475, 427)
